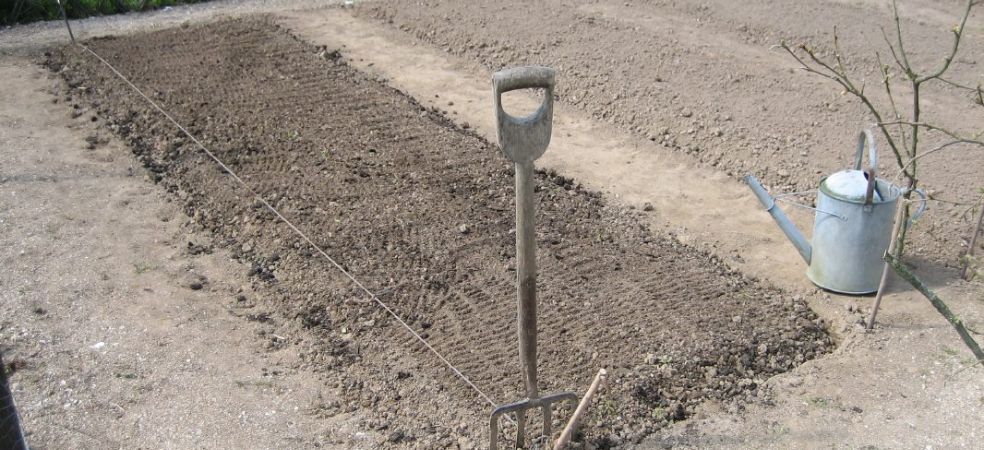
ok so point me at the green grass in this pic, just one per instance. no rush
(141, 267)
(658, 413)
(819, 402)
(24, 11)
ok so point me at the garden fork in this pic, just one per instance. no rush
(523, 140)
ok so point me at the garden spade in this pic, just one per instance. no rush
(523, 140)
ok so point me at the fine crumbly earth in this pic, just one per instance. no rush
(704, 78)
(421, 213)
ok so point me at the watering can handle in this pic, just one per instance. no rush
(922, 205)
(524, 139)
(864, 136)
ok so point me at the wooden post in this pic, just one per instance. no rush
(65, 17)
(964, 273)
(565, 436)
(885, 271)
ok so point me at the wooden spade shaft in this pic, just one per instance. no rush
(526, 274)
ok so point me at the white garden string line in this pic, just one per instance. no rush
(296, 230)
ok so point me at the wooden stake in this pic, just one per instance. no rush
(965, 272)
(65, 17)
(884, 278)
(565, 436)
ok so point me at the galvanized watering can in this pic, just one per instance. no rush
(855, 212)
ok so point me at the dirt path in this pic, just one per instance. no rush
(113, 343)
(700, 79)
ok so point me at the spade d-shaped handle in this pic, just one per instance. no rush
(524, 139)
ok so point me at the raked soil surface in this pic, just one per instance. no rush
(421, 213)
(706, 79)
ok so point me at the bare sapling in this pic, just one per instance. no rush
(903, 131)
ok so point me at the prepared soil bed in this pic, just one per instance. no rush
(422, 213)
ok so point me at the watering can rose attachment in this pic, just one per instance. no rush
(523, 140)
(852, 228)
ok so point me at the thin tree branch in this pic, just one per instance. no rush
(891, 48)
(845, 82)
(957, 34)
(976, 90)
(939, 305)
(937, 128)
(898, 35)
(804, 65)
(886, 80)
(838, 56)
(938, 148)
(958, 85)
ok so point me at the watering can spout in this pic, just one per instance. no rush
(793, 233)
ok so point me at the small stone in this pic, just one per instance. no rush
(465, 443)
(736, 319)
(647, 207)
(196, 285)
(710, 372)
(463, 229)
(465, 125)
(687, 113)
(396, 436)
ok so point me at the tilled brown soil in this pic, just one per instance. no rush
(421, 213)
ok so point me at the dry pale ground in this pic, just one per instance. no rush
(87, 259)
(113, 342)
